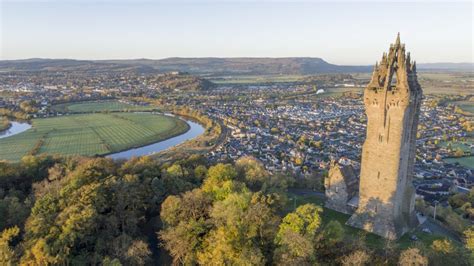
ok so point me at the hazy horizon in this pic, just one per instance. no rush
(212, 57)
(342, 33)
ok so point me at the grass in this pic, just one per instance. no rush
(99, 106)
(372, 240)
(464, 146)
(90, 134)
(466, 106)
(464, 161)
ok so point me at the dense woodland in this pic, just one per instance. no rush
(76, 211)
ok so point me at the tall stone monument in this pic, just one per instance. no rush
(392, 104)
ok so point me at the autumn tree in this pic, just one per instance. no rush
(7, 253)
(356, 258)
(296, 235)
(412, 257)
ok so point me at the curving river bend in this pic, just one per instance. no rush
(195, 130)
(16, 128)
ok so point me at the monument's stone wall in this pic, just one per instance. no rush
(392, 102)
(340, 185)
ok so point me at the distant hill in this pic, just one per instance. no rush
(38, 64)
(207, 66)
(247, 66)
(201, 66)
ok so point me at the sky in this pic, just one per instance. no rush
(340, 32)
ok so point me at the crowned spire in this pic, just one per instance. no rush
(397, 42)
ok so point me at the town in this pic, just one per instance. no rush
(295, 128)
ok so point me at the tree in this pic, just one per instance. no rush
(442, 246)
(200, 172)
(94, 207)
(294, 249)
(330, 236)
(219, 249)
(296, 235)
(244, 229)
(458, 200)
(356, 258)
(412, 257)
(469, 238)
(444, 252)
(190, 205)
(469, 241)
(185, 221)
(138, 253)
(252, 171)
(111, 262)
(170, 210)
(459, 152)
(7, 254)
(184, 239)
(220, 181)
(305, 220)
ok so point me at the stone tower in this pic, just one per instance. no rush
(392, 104)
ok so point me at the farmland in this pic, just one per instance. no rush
(90, 134)
(99, 106)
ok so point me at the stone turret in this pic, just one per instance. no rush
(341, 185)
(392, 103)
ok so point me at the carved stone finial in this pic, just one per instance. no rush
(397, 42)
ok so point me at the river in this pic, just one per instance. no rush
(16, 128)
(195, 130)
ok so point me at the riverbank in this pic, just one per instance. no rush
(214, 134)
(14, 128)
(4, 124)
(194, 131)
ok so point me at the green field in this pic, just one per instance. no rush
(99, 106)
(466, 106)
(464, 161)
(90, 134)
(463, 145)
